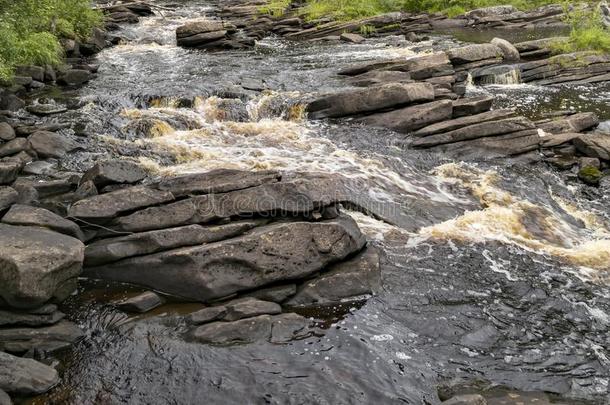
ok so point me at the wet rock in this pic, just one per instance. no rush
(289, 327)
(589, 162)
(107, 206)
(248, 330)
(270, 254)
(497, 146)
(207, 315)
(8, 197)
(141, 303)
(485, 129)
(9, 169)
(113, 172)
(511, 54)
(483, 338)
(33, 216)
(473, 53)
(35, 72)
(352, 38)
(200, 33)
(95, 43)
(594, 145)
(275, 294)
(5, 399)
(49, 144)
(30, 318)
(21, 376)
(36, 263)
(10, 102)
(590, 175)
(7, 132)
(473, 399)
(46, 339)
(25, 130)
(14, 146)
(217, 181)
(352, 279)
(114, 249)
(472, 105)
(370, 99)
(380, 77)
(249, 308)
(46, 109)
(450, 125)
(574, 123)
(74, 77)
(409, 119)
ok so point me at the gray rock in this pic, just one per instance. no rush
(8, 197)
(9, 169)
(85, 190)
(46, 339)
(112, 250)
(27, 318)
(511, 54)
(74, 77)
(113, 172)
(33, 216)
(40, 167)
(473, 399)
(344, 281)
(7, 132)
(409, 119)
(501, 146)
(217, 181)
(248, 330)
(574, 123)
(36, 264)
(249, 308)
(107, 206)
(141, 303)
(35, 72)
(493, 11)
(14, 146)
(485, 129)
(594, 145)
(289, 327)
(379, 77)
(360, 101)
(5, 399)
(473, 53)
(277, 294)
(199, 27)
(472, 105)
(353, 38)
(450, 125)
(207, 315)
(10, 102)
(46, 109)
(270, 254)
(21, 376)
(50, 145)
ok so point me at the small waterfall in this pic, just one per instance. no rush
(500, 75)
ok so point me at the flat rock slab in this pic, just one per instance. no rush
(36, 264)
(207, 315)
(594, 145)
(48, 339)
(370, 99)
(34, 216)
(409, 119)
(26, 318)
(277, 294)
(217, 181)
(473, 53)
(345, 281)
(141, 303)
(21, 376)
(46, 109)
(472, 105)
(270, 254)
(248, 308)
(450, 125)
(114, 249)
(107, 206)
(114, 172)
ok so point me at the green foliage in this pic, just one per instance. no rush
(275, 8)
(588, 32)
(30, 30)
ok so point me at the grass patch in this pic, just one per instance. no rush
(275, 8)
(588, 33)
(30, 30)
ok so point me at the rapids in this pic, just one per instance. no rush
(494, 275)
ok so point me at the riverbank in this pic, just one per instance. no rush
(265, 204)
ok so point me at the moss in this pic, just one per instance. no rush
(590, 175)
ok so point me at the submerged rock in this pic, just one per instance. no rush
(36, 265)
(46, 339)
(273, 253)
(141, 303)
(37, 317)
(21, 376)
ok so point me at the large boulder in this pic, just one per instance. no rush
(114, 172)
(7, 132)
(200, 33)
(371, 99)
(21, 376)
(49, 144)
(103, 207)
(34, 216)
(511, 54)
(473, 53)
(36, 264)
(594, 145)
(409, 119)
(74, 77)
(270, 254)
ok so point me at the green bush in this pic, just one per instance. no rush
(588, 32)
(30, 30)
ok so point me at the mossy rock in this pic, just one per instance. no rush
(590, 175)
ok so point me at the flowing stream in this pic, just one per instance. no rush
(493, 276)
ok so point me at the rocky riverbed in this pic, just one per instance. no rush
(207, 202)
